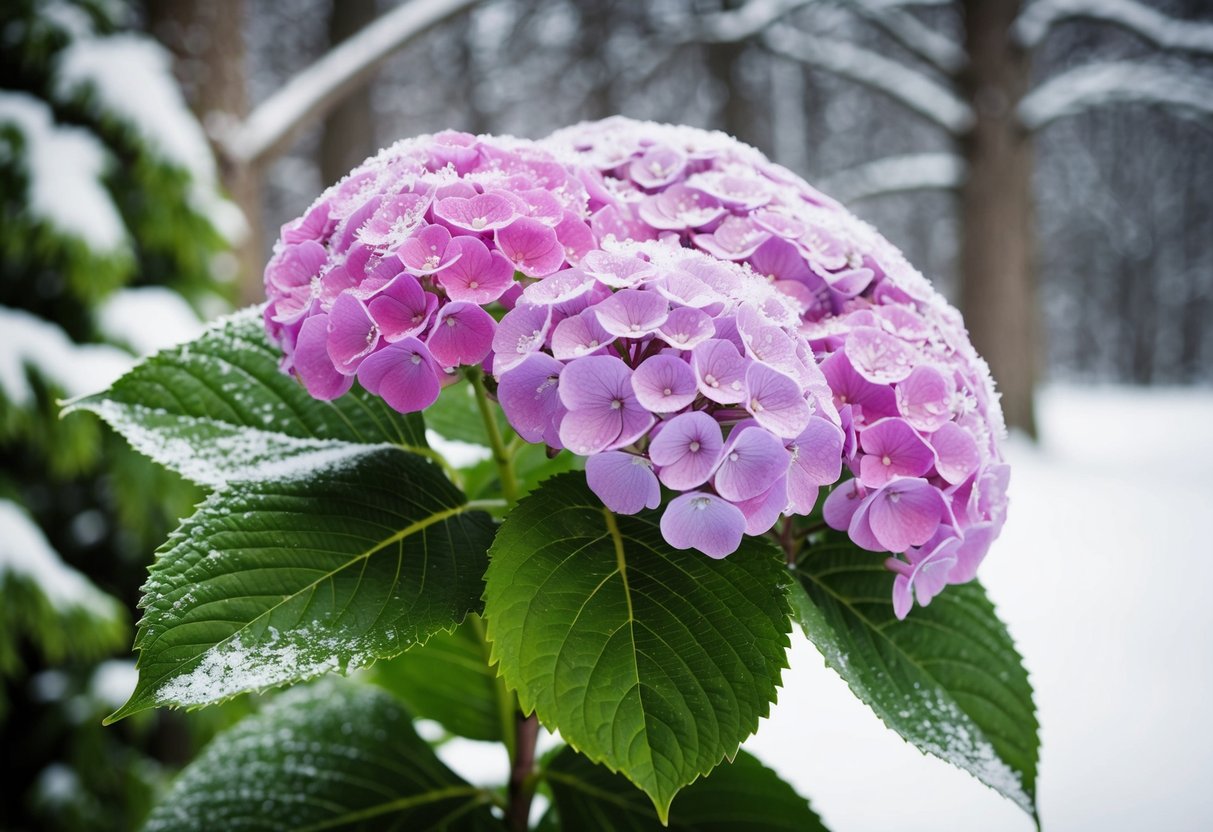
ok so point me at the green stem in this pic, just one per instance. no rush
(501, 454)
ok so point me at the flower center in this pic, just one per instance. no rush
(694, 446)
(755, 405)
(885, 459)
(479, 223)
(616, 404)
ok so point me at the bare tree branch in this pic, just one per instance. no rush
(938, 50)
(907, 86)
(896, 174)
(313, 92)
(1149, 23)
(1115, 82)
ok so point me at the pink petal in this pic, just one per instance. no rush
(403, 374)
(476, 275)
(664, 384)
(776, 401)
(705, 522)
(462, 334)
(313, 365)
(624, 482)
(531, 246)
(905, 513)
(753, 460)
(687, 450)
(956, 452)
(720, 371)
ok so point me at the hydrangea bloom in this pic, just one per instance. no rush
(678, 310)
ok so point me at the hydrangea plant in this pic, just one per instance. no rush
(714, 403)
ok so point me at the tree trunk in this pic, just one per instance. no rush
(206, 38)
(997, 280)
(349, 130)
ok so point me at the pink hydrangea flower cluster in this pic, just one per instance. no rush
(678, 310)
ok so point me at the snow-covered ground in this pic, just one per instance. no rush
(1100, 577)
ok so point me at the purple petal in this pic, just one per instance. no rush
(632, 313)
(477, 275)
(402, 309)
(972, 551)
(528, 395)
(816, 461)
(313, 365)
(659, 166)
(685, 289)
(905, 513)
(579, 335)
(762, 512)
(531, 246)
(485, 212)
(734, 239)
(561, 287)
(428, 251)
(875, 401)
(462, 334)
(603, 411)
(392, 219)
(687, 450)
(352, 335)
(686, 328)
(956, 453)
(576, 237)
(720, 371)
(777, 259)
(625, 483)
(776, 401)
(892, 449)
(664, 384)
(705, 522)
(879, 357)
(295, 266)
(520, 332)
(617, 270)
(925, 397)
(403, 374)
(679, 208)
(753, 460)
(842, 503)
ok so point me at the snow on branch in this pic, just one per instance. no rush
(744, 22)
(939, 50)
(312, 93)
(1149, 23)
(909, 87)
(896, 174)
(1115, 82)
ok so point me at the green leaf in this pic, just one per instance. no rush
(743, 794)
(218, 409)
(948, 678)
(449, 680)
(335, 755)
(654, 661)
(275, 582)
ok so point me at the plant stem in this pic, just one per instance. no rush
(522, 771)
(501, 455)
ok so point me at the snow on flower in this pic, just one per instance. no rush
(675, 308)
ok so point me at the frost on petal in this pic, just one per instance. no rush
(664, 384)
(531, 246)
(624, 482)
(632, 313)
(477, 275)
(428, 250)
(892, 449)
(762, 512)
(777, 259)
(295, 266)
(720, 371)
(925, 397)
(702, 521)
(956, 453)
(905, 513)
(575, 237)
(659, 166)
(879, 357)
(528, 395)
(402, 309)
(462, 334)
(520, 332)
(579, 335)
(617, 270)
(484, 212)
(403, 374)
(558, 288)
(313, 365)
(753, 460)
(352, 334)
(776, 401)
(686, 328)
(679, 208)
(734, 239)
(687, 450)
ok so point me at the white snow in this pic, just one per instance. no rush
(27, 341)
(459, 454)
(1147, 22)
(894, 174)
(1116, 82)
(1101, 575)
(148, 319)
(26, 554)
(113, 682)
(912, 88)
(65, 166)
